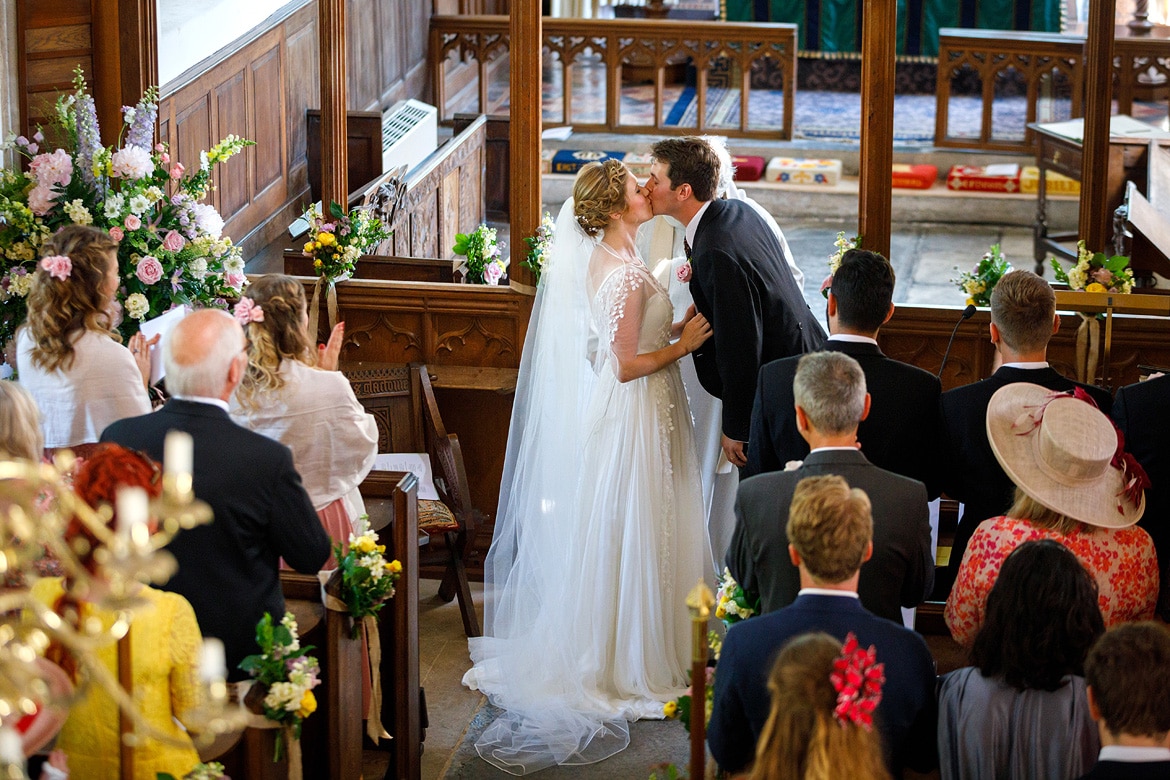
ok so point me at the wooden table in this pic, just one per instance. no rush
(1059, 148)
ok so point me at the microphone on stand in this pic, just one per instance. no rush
(967, 314)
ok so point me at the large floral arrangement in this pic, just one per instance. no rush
(336, 243)
(1094, 272)
(364, 579)
(171, 244)
(732, 605)
(484, 262)
(538, 246)
(978, 283)
(285, 675)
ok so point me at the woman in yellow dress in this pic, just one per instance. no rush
(165, 645)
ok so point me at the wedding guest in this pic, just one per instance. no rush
(164, 643)
(830, 399)
(69, 356)
(830, 532)
(809, 734)
(1142, 414)
(1020, 709)
(1128, 675)
(900, 434)
(298, 398)
(20, 424)
(1061, 452)
(1023, 319)
(228, 568)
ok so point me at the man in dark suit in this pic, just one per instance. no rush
(261, 513)
(901, 432)
(1142, 412)
(830, 401)
(740, 282)
(830, 531)
(1128, 674)
(1023, 319)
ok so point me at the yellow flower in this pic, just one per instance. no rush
(394, 567)
(1095, 287)
(309, 247)
(720, 611)
(381, 548)
(670, 709)
(317, 264)
(970, 301)
(308, 705)
(364, 544)
(326, 239)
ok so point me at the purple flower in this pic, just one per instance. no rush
(39, 137)
(177, 280)
(89, 140)
(21, 140)
(142, 128)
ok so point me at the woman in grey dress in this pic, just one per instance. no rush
(1020, 710)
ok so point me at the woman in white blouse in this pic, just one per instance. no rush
(69, 357)
(300, 399)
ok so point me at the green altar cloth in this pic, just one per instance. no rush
(833, 27)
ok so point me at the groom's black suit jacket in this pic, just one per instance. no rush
(228, 569)
(899, 435)
(971, 474)
(742, 284)
(901, 571)
(1142, 412)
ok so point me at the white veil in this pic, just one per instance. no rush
(520, 661)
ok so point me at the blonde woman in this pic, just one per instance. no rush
(299, 398)
(68, 355)
(20, 424)
(819, 728)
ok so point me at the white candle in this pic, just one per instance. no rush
(213, 660)
(132, 507)
(178, 453)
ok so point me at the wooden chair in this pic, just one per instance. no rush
(401, 399)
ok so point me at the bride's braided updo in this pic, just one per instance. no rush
(600, 190)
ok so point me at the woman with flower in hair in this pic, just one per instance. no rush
(293, 393)
(69, 355)
(821, 723)
(165, 642)
(1021, 709)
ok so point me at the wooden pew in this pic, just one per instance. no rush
(1142, 223)
(391, 503)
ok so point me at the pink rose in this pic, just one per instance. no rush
(116, 233)
(1103, 275)
(173, 241)
(57, 266)
(159, 148)
(149, 270)
(164, 157)
(492, 273)
(683, 273)
(177, 171)
(132, 222)
(234, 280)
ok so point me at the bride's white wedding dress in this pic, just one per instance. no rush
(601, 531)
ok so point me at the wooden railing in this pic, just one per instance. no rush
(1051, 66)
(629, 47)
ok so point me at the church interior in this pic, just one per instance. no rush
(932, 131)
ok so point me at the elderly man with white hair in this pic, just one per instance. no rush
(228, 568)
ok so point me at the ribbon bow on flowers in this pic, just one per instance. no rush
(857, 677)
(1135, 479)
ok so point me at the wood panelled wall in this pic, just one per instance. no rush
(260, 88)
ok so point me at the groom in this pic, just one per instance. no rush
(739, 279)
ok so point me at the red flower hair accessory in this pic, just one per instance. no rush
(857, 677)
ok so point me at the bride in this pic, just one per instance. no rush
(600, 532)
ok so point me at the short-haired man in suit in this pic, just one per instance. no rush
(228, 569)
(1142, 412)
(901, 432)
(830, 528)
(1023, 320)
(1128, 676)
(830, 400)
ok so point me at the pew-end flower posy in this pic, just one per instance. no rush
(337, 242)
(538, 246)
(484, 261)
(1094, 272)
(364, 578)
(285, 671)
(171, 247)
(978, 283)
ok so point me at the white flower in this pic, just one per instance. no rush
(114, 205)
(207, 219)
(77, 212)
(139, 204)
(154, 194)
(132, 162)
(129, 114)
(233, 264)
(197, 268)
(20, 284)
(137, 306)
(283, 696)
(204, 163)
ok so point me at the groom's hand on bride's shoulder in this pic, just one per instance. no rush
(735, 451)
